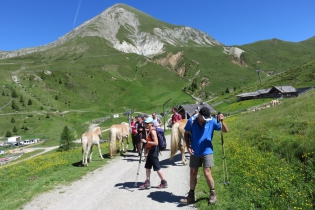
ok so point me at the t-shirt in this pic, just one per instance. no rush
(176, 117)
(156, 121)
(201, 141)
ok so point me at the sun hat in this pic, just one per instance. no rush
(205, 113)
(148, 120)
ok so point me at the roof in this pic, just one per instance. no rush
(190, 108)
(285, 89)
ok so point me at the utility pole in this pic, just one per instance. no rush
(258, 72)
(128, 112)
(164, 111)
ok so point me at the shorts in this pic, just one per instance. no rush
(197, 161)
(152, 160)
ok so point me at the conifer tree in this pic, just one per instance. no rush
(14, 130)
(12, 120)
(66, 140)
(13, 94)
(8, 134)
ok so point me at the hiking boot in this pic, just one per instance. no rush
(213, 197)
(189, 199)
(162, 185)
(146, 185)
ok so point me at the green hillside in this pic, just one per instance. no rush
(86, 78)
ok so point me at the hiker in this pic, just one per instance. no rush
(156, 121)
(152, 159)
(134, 134)
(200, 148)
(176, 116)
(141, 133)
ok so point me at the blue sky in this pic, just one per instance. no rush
(30, 23)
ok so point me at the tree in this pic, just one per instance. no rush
(56, 97)
(227, 90)
(29, 102)
(21, 99)
(14, 130)
(12, 120)
(66, 140)
(14, 106)
(8, 134)
(13, 94)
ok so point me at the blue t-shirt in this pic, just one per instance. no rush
(201, 141)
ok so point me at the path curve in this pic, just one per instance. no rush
(112, 187)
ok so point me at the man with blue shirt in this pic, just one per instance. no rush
(200, 148)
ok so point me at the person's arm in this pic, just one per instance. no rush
(224, 127)
(188, 143)
(187, 140)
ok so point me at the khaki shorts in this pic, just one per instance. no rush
(206, 161)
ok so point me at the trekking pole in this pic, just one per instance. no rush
(224, 164)
(139, 164)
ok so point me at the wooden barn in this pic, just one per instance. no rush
(274, 92)
(187, 110)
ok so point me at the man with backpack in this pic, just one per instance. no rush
(156, 120)
(152, 160)
(200, 128)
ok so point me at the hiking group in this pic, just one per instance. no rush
(198, 138)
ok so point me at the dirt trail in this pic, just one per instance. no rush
(112, 187)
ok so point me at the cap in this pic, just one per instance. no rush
(139, 116)
(145, 115)
(148, 120)
(206, 114)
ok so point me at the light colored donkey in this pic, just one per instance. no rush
(118, 132)
(88, 140)
(177, 139)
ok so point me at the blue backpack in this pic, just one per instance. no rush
(161, 138)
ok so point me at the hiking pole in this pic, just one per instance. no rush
(224, 164)
(139, 164)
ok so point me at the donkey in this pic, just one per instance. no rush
(118, 132)
(88, 140)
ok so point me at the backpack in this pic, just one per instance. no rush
(161, 138)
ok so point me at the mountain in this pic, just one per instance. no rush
(125, 59)
(130, 31)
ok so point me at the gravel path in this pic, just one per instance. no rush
(112, 187)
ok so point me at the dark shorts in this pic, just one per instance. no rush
(206, 161)
(152, 160)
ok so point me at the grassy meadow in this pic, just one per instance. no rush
(270, 157)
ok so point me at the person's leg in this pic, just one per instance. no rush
(209, 178)
(134, 142)
(148, 173)
(193, 178)
(161, 174)
(194, 164)
(208, 162)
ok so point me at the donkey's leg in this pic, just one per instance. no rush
(83, 156)
(121, 146)
(90, 149)
(99, 150)
(127, 144)
(183, 149)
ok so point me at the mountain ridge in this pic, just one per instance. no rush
(108, 25)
